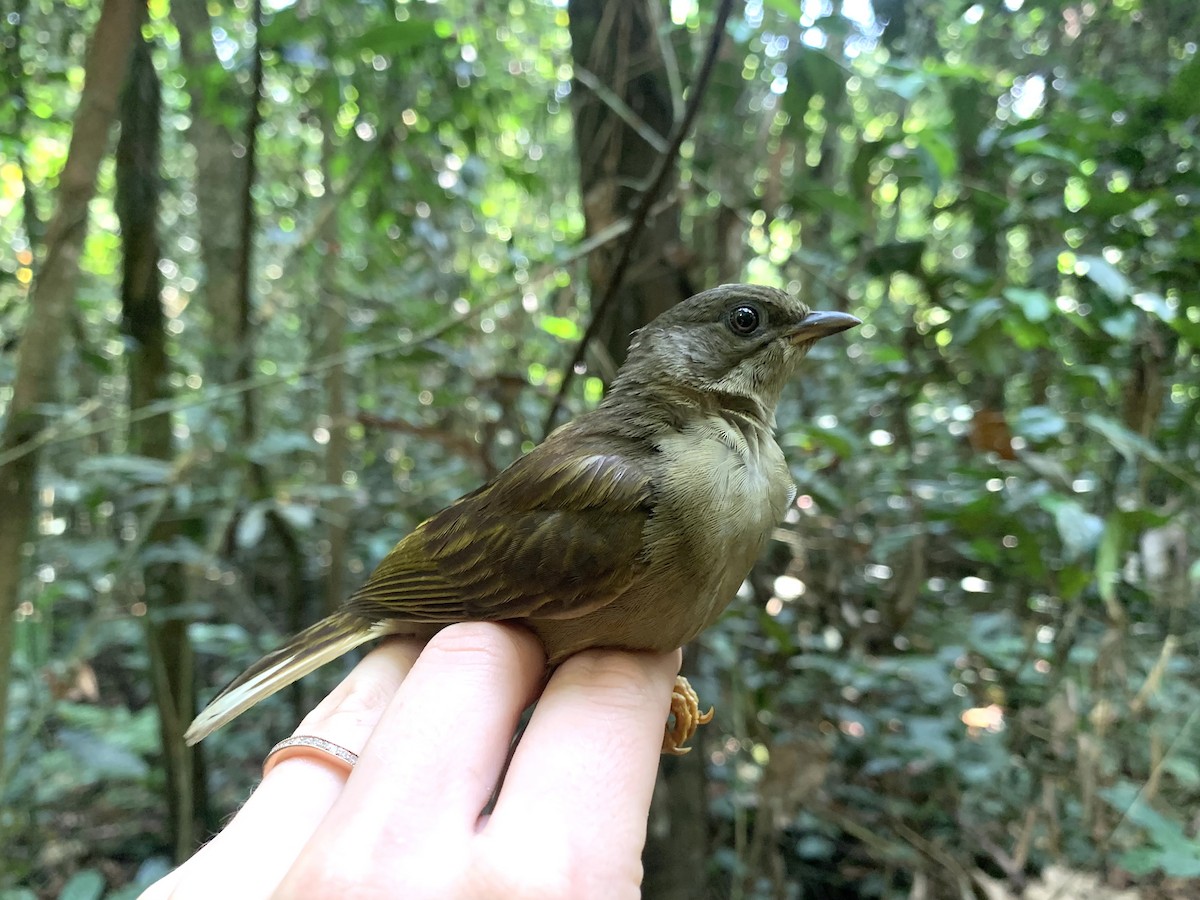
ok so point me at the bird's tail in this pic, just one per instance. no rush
(309, 650)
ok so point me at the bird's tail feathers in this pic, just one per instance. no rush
(307, 651)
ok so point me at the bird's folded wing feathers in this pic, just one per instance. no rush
(556, 535)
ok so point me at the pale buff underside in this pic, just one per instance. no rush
(729, 487)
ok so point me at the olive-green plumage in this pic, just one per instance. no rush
(632, 526)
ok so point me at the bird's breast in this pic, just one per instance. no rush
(718, 495)
(723, 492)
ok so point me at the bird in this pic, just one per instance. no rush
(631, 527)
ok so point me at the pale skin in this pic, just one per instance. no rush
(432, 727)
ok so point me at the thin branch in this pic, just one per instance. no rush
(601, 238)
(63, 429)
(609, 98)
(662, 31)
(646, 132)
(1156, 770)
(642, 128)
(59, 431)
(246, 325)
(333, 199)
(641, 212)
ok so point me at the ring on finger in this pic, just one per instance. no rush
(313, 747)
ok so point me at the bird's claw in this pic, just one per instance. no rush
(685, 718)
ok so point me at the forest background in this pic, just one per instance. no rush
(345, 260)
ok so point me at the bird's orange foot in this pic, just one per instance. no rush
(685, 718)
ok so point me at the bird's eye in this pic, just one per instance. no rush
(744, 320)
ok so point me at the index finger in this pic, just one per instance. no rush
(590, 754)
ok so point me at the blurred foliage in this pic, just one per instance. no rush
(972, 649)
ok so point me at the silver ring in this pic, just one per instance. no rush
(311, 746)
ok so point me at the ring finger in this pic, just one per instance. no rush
(250, 857)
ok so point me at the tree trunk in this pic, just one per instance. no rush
(225, 177)
(221, 172)
(163, 585)
(676, 857)
(616, 42)
(243, 364)
(36, 382)
(332, 330)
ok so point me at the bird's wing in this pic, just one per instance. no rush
(556, 535)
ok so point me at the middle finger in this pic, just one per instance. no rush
(433, 761)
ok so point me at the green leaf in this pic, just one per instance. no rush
(980, 314)
(593, 389)
(775, 630)
(896, 256)
(1039, 423)
(789, 8)
(798, 95)
(1156, 305)
(828, 200)
(827, 77)
(1142, 861)
(101, 759)
(1035, 305)
(277, 443)
(1183, 98)
(291, 25)
(809, 435)
(1128, 443)
(86, 884)
(1180, 861)
(561, 328)
(144, 469)
(252, 527)
(1173, 852)
(1047, 150)
(1079, 529)
(394, 37)
(815, 847)
(1122, 326)
(1108, 557)
(813, 72)
(177, 550)
(907, 86)
(1126, 798)
(1105, 276)
(298, 515)
(1185, 771)
(930, 736)
(864, 160)
(936, 147)
(136, 732)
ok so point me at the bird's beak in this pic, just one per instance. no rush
(819, 324)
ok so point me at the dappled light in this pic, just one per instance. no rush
(313, 301)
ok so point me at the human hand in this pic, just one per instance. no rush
(432, 727)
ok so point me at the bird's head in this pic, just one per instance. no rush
(738, 340)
